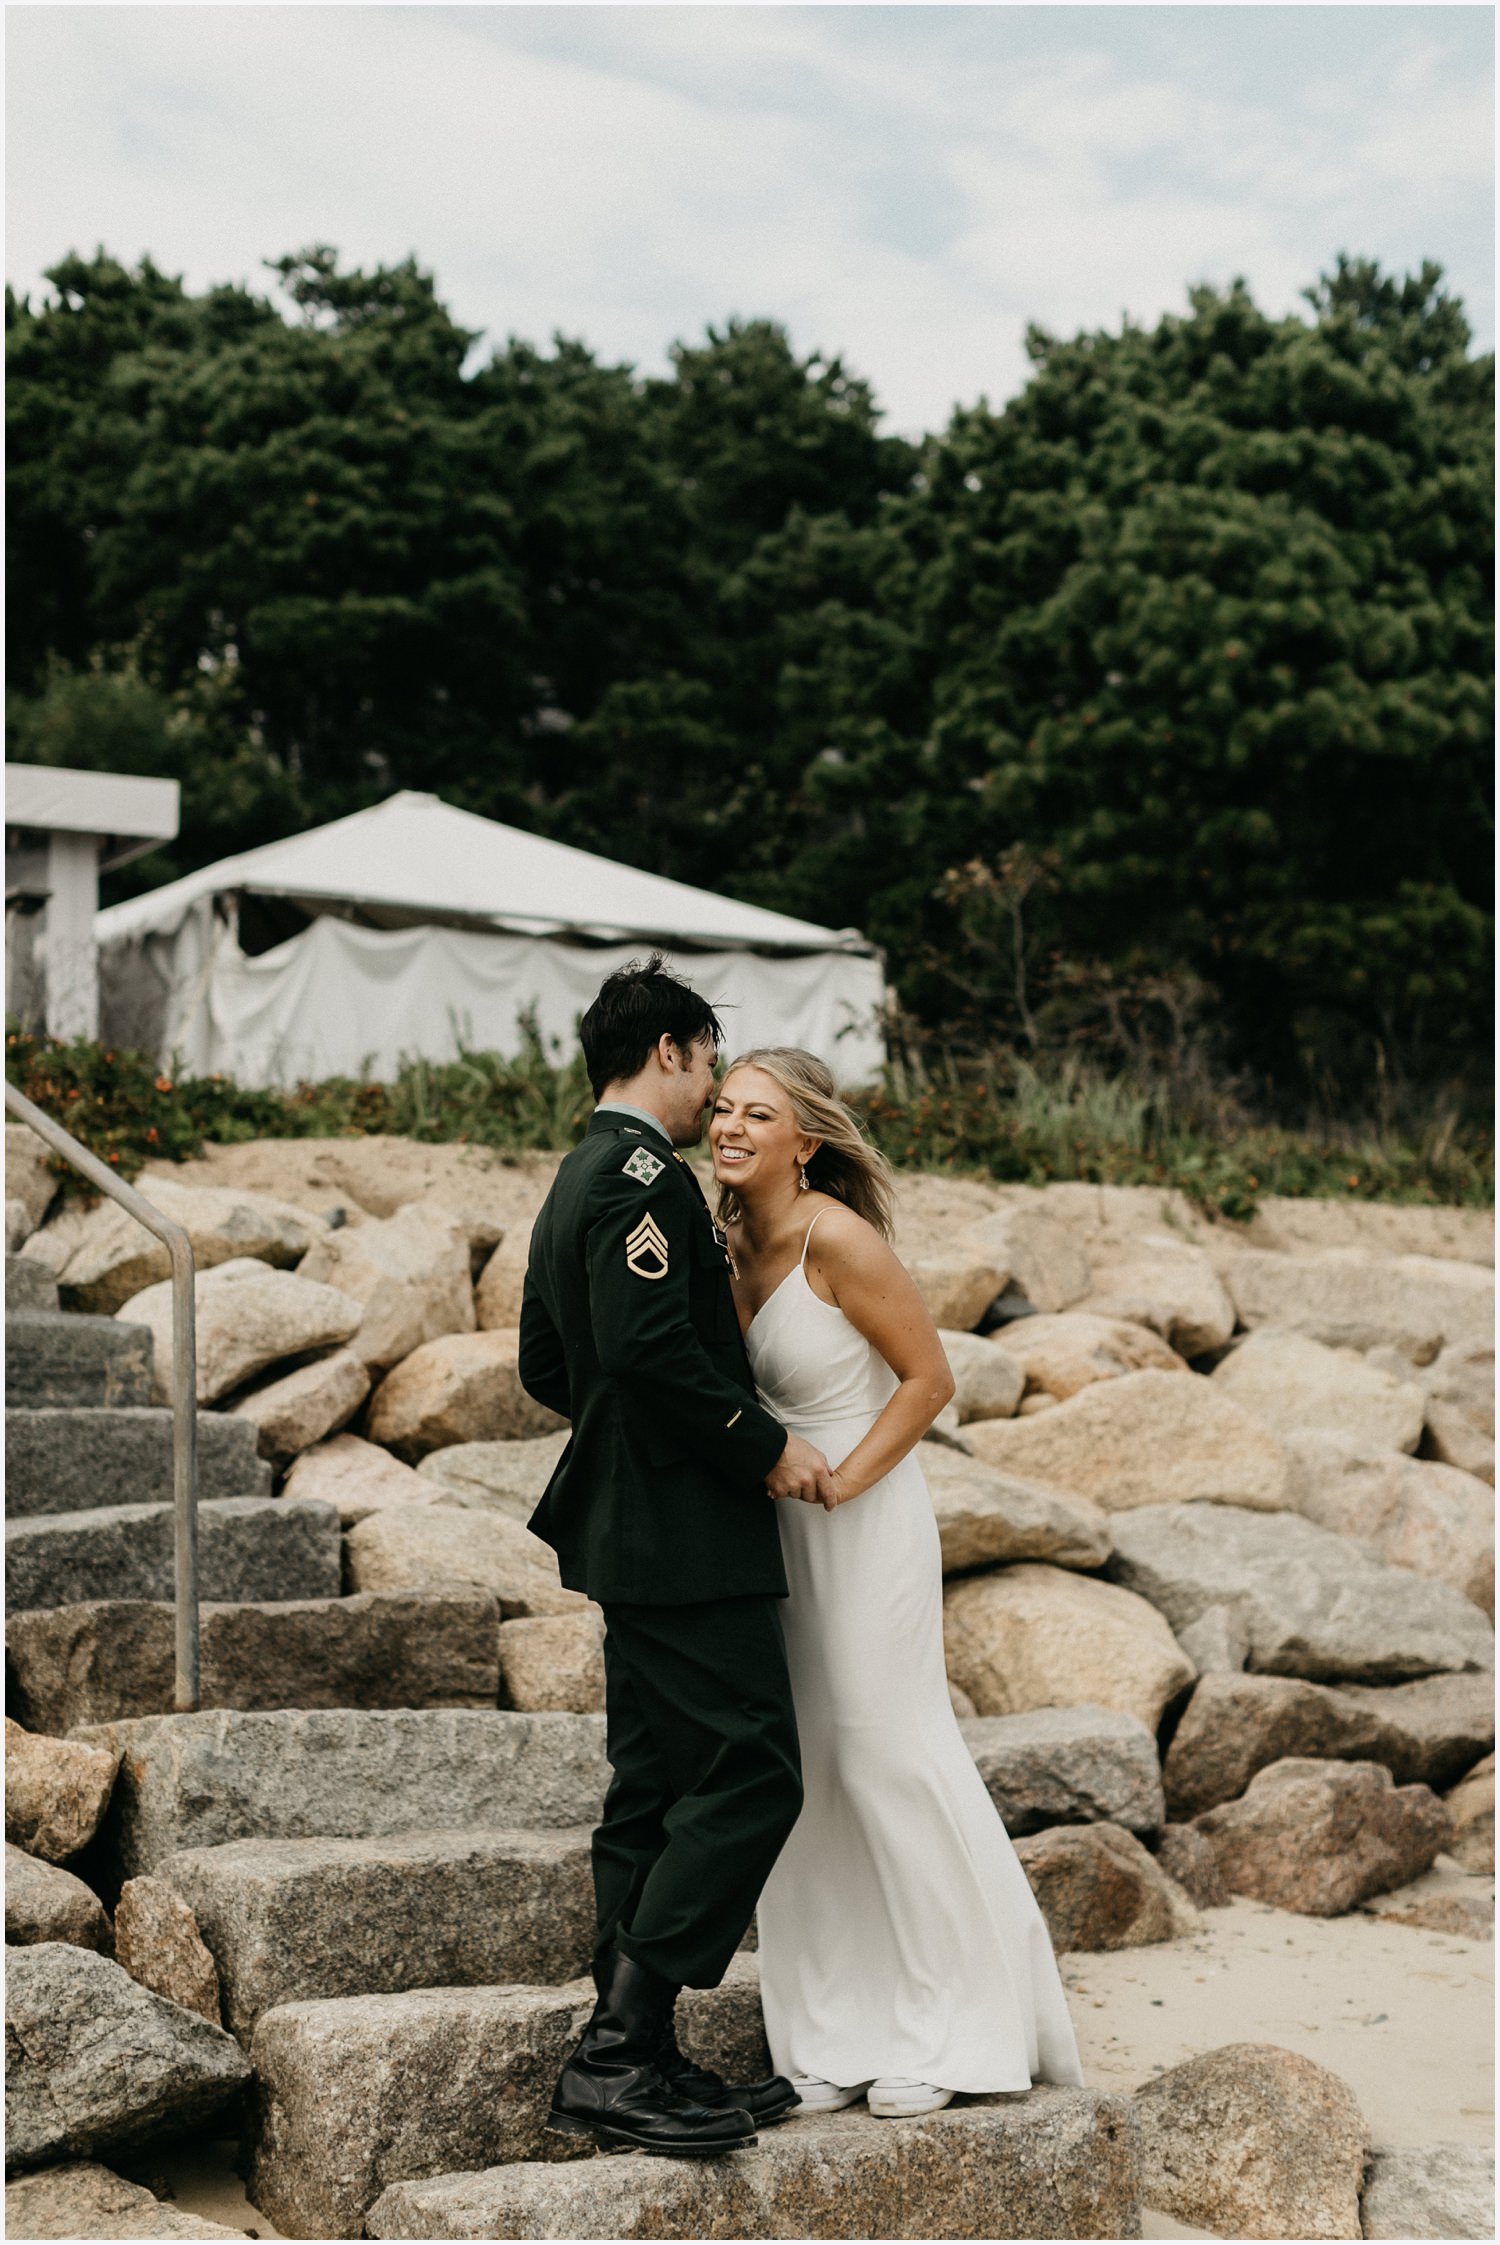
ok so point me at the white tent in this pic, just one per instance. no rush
(414, 928)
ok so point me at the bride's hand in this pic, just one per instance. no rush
(835, 1493)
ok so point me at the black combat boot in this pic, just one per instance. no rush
(612, 2088)
(765, 2101)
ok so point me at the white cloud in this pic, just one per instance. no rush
(629, 175)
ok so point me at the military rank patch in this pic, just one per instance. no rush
(646, 1248)
(644, 1167)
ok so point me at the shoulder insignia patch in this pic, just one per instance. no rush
(646, 1249)
(644, 1167)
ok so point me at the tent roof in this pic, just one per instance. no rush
(417, 854)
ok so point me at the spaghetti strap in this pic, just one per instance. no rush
(802, 1260)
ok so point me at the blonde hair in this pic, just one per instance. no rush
(845, 1165)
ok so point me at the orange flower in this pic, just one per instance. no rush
(163, 1083)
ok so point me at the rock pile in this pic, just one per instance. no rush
(1216, 1514)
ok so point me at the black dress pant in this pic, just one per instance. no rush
(707, 1781)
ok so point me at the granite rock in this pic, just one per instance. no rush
(248, 1548)
(295, 1410)
(1349, 1299)
(248, 1317)
(1074, 1348)
(71, 1460)
(44, 1903)
(1252, 2141)
(1471, 1806)
(1188, 1857)
(289, 1921)
(507, 1476)
(1290, 1382)
(1415, 1513)
(356, 1476)
(158, 1942)
(107, 1660)
(1040, 1256)
(498, 1289)
(1235, 1725)
(96, 2063)
(1147, 1438)
(1166, 1283)
(29, 1176)
(554, 1661)
(83, 2199)
(1035, 1636)
(988, 1383)
(1059, 2162)
(985, 1515)
(432, 1547)
(1068, 1765)
(411, 1272)
(1098, 1888)
(1310, 1603)
(114, 1258)
(1321, 1837)
(56, 1792)
(194, 1781)
(957, 1284)
(463, 1387)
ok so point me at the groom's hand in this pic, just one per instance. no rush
(801, 1471)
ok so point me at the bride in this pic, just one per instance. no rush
(902, 1954)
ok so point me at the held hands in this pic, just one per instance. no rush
(802, 1471)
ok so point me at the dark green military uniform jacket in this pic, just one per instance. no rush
(628, 1328)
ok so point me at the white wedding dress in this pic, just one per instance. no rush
(898, 1934)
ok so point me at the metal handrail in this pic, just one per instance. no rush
(184, 1379)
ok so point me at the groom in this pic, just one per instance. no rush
(659, 1510)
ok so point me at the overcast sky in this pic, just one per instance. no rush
(906, 185)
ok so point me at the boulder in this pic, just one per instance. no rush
(1069, 1351)
(411, 1272)
(356, 1476)
(1288, 1382)
(1320, 1837)
(1216, 1643)
(158, 1943)
(29, 1177)
(96, 2063)
(1311, 1603)
(957, 1285)
(293, 1920)
(1058, 2162)
(248, 1317)
(53, 1244)
(985, 1516)
(1067, 1765)
(554, 1662)
(987, 1381)
(1471, 1807)
(56, 1792)
(1035, 1636)
(248, 1547)
(295, 1411)
(1431, 1730)
(28, 1284)
(462, 1388)
(1429, 2190)
(440, 1546)
(510, 1476)
(43, 1903)
(115, 1259)
(111, 1659)
(1348, 1299)
(83, 2199)
(1098, 1888)
(1147, 1438)
(356, 2094)
(1437, 1904)
(498, 1289)
(1463, 1376)
(18, 1230)
(1235, 1725)
(1188, 1857)
(1036, 1254)
(1252, 2141)
(1166, 1283)
(1416, 1514)
(1450, 1437)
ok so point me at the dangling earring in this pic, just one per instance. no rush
(803, 1186)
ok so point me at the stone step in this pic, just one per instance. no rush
(1053, 2163)
(290, 1921)
(248, 1548)
(195, 1781)
(72, 1458)
(55, 1357)
(112, 1659)
(355, 2095)
(29, 1285)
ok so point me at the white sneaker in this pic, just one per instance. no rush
(814, 2095)
(892, 2097)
